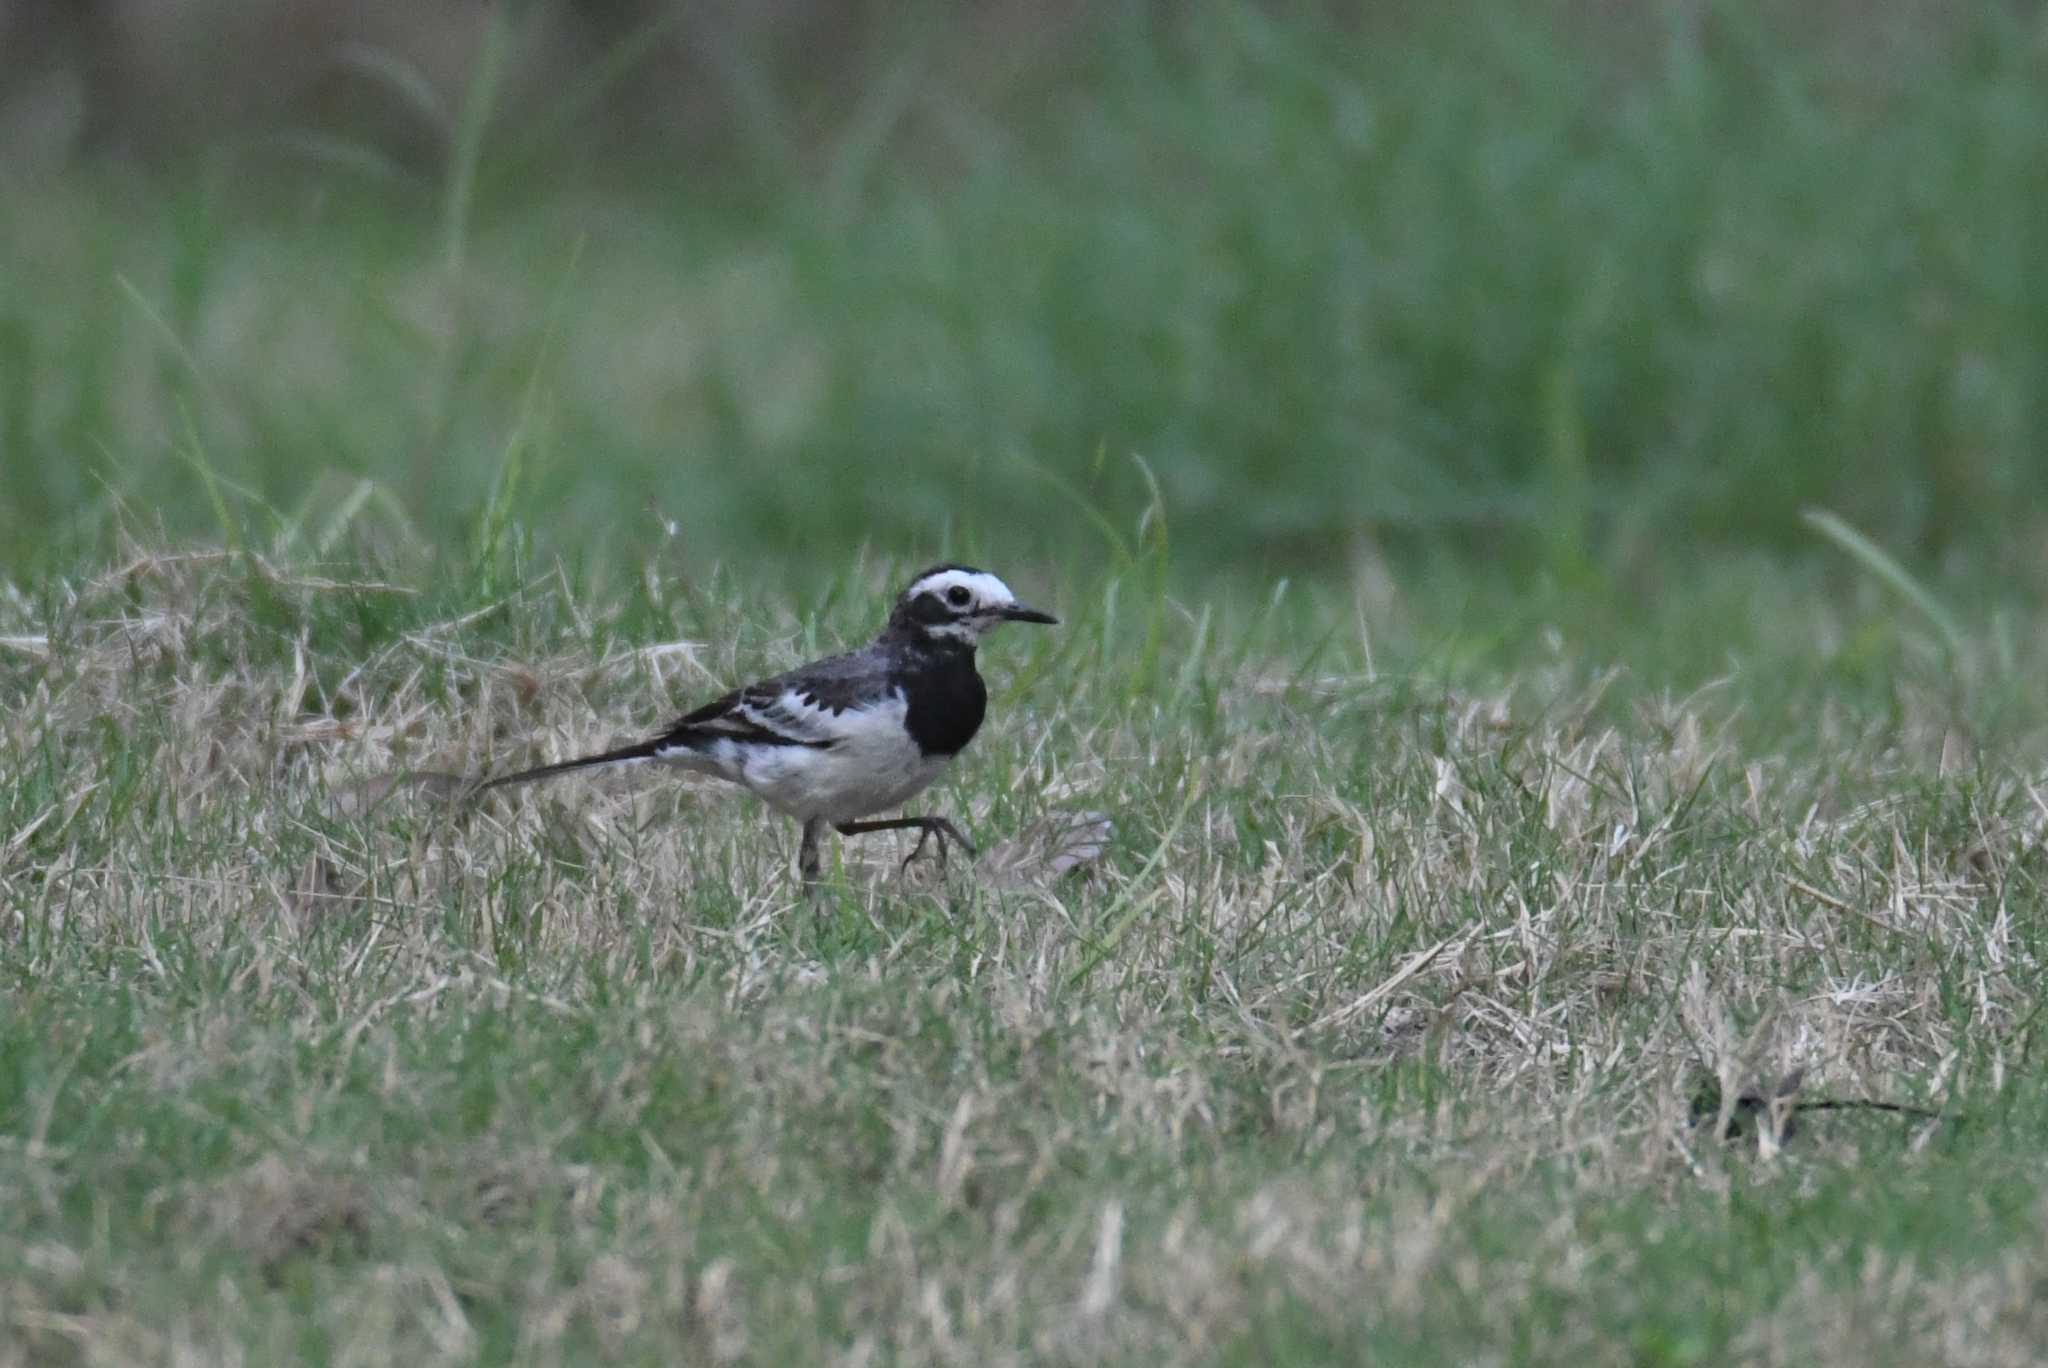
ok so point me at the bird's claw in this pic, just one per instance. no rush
(946, 832)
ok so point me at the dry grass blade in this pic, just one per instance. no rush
(1386, 988)
(435, 789)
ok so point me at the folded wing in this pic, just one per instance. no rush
(807, 707)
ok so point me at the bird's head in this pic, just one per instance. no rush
(958, 603)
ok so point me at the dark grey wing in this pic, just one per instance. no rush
(803, 707)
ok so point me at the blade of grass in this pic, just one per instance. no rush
(478, 102)
(1889, 572)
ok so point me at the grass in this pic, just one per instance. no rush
(1374, 1028)
(1537, 294)
(1544, 530)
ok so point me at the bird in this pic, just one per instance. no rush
(838, 740)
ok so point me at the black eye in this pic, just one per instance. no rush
(958, 596)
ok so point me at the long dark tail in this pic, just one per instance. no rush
(642, 750)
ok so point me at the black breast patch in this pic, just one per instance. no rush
(944, 700)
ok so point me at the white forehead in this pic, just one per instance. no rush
(985, 587)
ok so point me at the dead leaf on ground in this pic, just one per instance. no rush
(1049, 850)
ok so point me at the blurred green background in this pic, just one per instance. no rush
(1576, 293)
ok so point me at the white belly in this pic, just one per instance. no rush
(873, 767)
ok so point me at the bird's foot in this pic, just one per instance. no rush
(926, 827)
(946, 833)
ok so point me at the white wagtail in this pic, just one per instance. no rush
(833, 741)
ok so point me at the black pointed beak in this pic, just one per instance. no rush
(1017, 612)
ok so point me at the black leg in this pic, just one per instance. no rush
(926, 828)
(807, 851)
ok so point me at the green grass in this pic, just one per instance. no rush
(1544, 293)
(1420, 439)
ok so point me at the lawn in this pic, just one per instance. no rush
(1545, 725)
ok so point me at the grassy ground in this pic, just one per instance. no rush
(1466, 823)
(1376, 1020)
